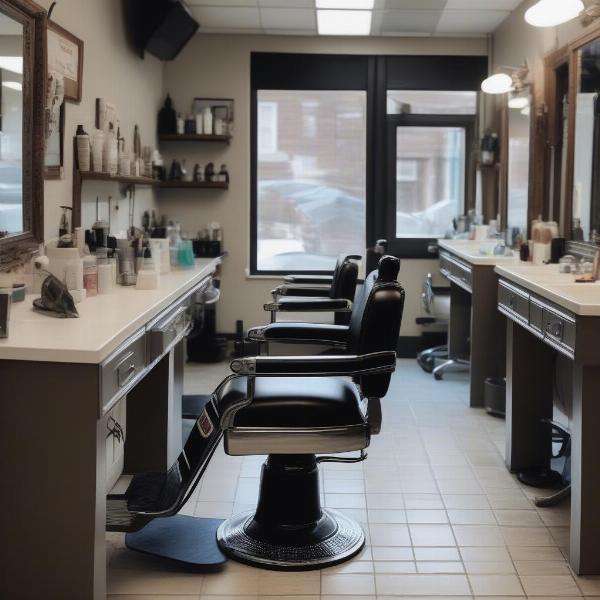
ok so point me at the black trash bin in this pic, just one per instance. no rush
(494, 396)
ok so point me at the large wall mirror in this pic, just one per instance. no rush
(22, 85)
(517, 162)
(585, 145)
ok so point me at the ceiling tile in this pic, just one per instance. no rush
(288, 18)
(232, 30)
(471, 21)
(306, 32)
(483, 4)
(415, 4)
(287, 3)
(410, 21)
(221, 3)
(227, 17)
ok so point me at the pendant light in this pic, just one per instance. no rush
(549, 13)
(500, 83)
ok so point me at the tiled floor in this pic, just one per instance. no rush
(442, 516)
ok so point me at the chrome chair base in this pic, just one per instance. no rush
(457, 364)
(333, 539)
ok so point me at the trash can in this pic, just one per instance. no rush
(494, 396)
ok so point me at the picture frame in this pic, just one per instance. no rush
(65, 56)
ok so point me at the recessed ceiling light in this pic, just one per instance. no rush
(12, 63)
(346, 4)
(549, 13)
(344, 22)
(500, 83)
(13, 85)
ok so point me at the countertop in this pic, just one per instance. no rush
(469, 251)
(104, 322)
(560, 288)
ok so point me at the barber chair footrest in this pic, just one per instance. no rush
(336, 539)
(189, 541)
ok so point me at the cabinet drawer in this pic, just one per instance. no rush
(462, 273)
(455, 271)
(513, 300)
(559, 329)
(445, 264)
(122, 369)
(536, 316)
(168, 331)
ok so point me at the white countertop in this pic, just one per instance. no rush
(560, 288)
(104, 322)
(471, 251)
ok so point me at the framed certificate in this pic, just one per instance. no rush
(65, 56)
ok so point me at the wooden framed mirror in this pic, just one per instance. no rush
(582, 198)
(23, 76)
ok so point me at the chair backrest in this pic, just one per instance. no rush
(343, 284)
(376, 320)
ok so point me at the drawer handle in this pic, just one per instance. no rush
(555, 328)
(511, 301)
(125, 372)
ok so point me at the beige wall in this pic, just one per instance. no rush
(113, 71)
(515, 41)
(219, 66)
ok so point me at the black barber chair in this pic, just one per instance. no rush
(292, 420)
(324, 293)
(290, 408)
(333, 335)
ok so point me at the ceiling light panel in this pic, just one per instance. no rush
(344, 22)
(346, 4)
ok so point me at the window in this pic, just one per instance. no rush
(334, 169)
(267, 129)
(310, 178)
(430, 179)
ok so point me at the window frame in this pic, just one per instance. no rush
(375, 74)
(307, 72)
(420, 247)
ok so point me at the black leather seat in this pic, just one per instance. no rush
(293, 408)
(312, 293)
(296, 402)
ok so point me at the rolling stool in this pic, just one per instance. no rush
(436, 304)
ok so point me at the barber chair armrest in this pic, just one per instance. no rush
(309, 305)
(309, 279)
(316, 366)
(301, 333)
(292, 289)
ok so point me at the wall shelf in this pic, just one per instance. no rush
(207, 185)
(123, 179)
(193, 137)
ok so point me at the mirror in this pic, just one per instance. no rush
(586, 171)
(518, 181)
(11, 125)
(22, 76)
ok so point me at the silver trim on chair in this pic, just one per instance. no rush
(244, 441)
